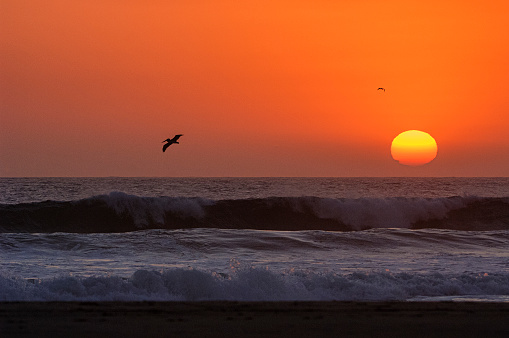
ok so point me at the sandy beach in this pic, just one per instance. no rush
(253, 319)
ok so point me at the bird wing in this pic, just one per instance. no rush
(166, 146)
(176, 137)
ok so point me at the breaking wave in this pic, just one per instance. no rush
(120, 212)
(254, 284)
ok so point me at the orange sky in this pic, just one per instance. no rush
(258, 88)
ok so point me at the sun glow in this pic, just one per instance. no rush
(414, 148)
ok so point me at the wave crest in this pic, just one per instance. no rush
(253, 284)
(119, 212)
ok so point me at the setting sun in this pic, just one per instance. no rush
(258, 88)
(414, 147)
(296, 131)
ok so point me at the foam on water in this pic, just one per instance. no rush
(120, 212)
(193, 239)
(148, 210)
(255, 284)
(216, 264)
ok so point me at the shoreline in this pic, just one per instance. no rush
(254, 319)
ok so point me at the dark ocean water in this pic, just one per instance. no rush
(254, 239)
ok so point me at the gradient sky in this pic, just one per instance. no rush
(258, 88)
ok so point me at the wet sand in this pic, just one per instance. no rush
(253, 319)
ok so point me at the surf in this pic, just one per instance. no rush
(120, 212)
(255, 284)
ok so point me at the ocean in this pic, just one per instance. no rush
(254, 239)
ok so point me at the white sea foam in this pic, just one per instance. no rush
(255, 284)
(59, 242)
(145, 209)
(365, 213)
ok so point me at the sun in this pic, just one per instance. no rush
(414, 148)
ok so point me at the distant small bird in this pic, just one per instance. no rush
(171, 141)
(381, 89)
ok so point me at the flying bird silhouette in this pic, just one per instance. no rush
(381, 89)
(171, 141)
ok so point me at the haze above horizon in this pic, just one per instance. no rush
(258, 88)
